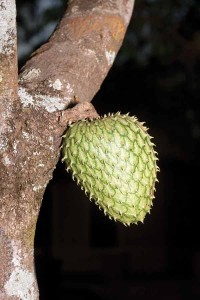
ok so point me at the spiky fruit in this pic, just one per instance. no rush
(114, 161)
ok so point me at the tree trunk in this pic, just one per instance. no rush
(66, 71)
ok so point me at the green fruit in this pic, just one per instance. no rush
(114, 161)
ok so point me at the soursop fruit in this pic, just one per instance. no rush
(114, 161)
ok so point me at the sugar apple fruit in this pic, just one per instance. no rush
(114, 161)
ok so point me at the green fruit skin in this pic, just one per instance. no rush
(114, 161)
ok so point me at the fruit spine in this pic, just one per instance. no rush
(114, 161)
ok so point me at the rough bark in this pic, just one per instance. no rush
(67, 70)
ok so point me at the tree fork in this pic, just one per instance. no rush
(67, 70)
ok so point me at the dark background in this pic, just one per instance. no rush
(80, 253)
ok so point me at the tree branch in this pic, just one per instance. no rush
(76, 59)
